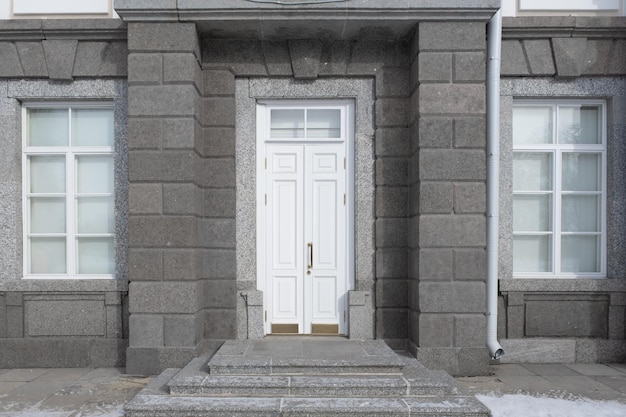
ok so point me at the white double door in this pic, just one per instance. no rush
(305, 238)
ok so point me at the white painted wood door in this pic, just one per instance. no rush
(305, 242)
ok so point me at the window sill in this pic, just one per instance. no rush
(561, 285)
(65, 285)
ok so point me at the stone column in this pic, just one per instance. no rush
(450, 139)
(164, 104)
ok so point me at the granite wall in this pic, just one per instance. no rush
(60, 323)
(565, 320)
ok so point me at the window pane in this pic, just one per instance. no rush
(580, 254)
(92, 127)
(95, 215)
(579, 124)
(287, 123)
(581, 172)
(94, 174)
(580, 213)
(47, 215)
(532, 171)
(324, 123)
(532, 253)
(48, 127)
(532, 125)
(95, 255)
(532, 213)
(47, 174)
(47, 255)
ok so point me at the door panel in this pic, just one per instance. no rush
(284, 234)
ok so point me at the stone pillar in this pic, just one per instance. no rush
(165, 201)
(450, 137)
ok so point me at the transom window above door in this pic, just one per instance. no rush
(311, 122)
(559, 189)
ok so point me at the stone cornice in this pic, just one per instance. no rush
(275, 19)
(60, 29)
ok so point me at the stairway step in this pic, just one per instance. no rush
(174, 406)
(306, 386)
(298, 366)
(298, 357)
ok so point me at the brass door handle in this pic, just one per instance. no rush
(310, 264)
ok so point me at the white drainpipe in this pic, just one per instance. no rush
(494, 44)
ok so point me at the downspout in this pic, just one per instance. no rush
(494, 44)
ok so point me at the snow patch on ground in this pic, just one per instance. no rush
(517, 405)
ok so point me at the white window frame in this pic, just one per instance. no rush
(557, 151)
(71, 153)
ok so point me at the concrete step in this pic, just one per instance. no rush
(151, 405)
(307, 386)
(293, 378)
(246, 357)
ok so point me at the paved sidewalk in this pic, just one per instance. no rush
(566, 381)
(82, 392)
(72, 392)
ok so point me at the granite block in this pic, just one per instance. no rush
(60, 56)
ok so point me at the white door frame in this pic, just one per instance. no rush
(348, 129)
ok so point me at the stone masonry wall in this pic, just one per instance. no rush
(166, 171)
(387, 63)
(448, 259)
(59, 322)
(551, 58)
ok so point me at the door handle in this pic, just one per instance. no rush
(309, 247)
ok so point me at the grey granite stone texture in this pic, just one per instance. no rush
(436, 265)
(164, 297)
(146, 330)
(452, 36)
(64, 315)
(440, 99)
(452, 165)
(435, 132)
(563, 46)
(579, 316)
(436, 197)
(569, 54)
(303, 59)
(361, 315)
(62, 352)
(435, 67)
(452, 297)
(392, 141)
(452, 231)
(145, 265)
(456, 361)
(43, 318)
(61, 49)
(10, 66)
(513, 59)
(163, 37)
(436, 330)
(469, 67)
(391, 201)
(539, 53)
